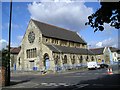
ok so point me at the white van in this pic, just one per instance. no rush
(92, 65)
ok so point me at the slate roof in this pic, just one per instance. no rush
(72, 50)
(113, 49)
(118, 51)
(57, 32)
(97, 51)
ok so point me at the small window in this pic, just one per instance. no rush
(81, 59)
(19, 61)
(39, 39)
(92, 58)
(46, 40)
(87, 58)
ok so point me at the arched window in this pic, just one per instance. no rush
(87, 58)
(46, 59)
(73, 60)
(92, 58)
(81, 59)
(56, 60)
(19, 61)
(65, 60)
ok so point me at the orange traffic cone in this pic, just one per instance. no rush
(110, 71)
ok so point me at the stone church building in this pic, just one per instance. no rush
(45, 47)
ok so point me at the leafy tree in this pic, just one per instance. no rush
(4, 57)
(109, 13)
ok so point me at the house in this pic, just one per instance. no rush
(13, 57)
(99, 53)
(115, 54)
(45, 47)
(107, 55)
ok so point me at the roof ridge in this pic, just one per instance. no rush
(97, 48)
(53, 25)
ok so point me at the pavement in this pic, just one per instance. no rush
(17, 73)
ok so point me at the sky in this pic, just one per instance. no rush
(68, 14)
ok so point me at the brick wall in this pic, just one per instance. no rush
(2, 76)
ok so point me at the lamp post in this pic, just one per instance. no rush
(8, 61)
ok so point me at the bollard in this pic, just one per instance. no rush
(110, 71)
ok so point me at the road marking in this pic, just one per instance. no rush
(80, 86)
(43, 83)
(17, 87)
(54, 84)
(63, 84)
(36, 85)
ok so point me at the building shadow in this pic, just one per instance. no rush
(106, 82)
(18, 82)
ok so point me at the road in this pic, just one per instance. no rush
(74, 80)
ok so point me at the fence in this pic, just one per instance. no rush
(69, 67)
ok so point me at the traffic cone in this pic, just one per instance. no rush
(110, 71)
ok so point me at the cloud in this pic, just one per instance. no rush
(110, 42)
(104, 43)
(69, 14)
(19, 38)
(99, 44)
(3, 44)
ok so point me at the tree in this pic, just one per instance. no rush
(109, 13)
(4, 57)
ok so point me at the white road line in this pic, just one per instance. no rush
(63, 84)
(54, 84)
(81, 86)
(47, 85)
(18, 87)
(44, 83)
(36, 85)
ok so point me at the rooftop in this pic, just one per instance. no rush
(97, 51)
(72, 50)
(57, 32)
(15, 50)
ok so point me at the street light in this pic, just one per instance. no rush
(8, 61)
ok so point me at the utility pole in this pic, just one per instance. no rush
(8, 61)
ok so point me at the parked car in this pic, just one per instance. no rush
(98, 66)
(92, 65)
(104, 65)
(119, 62)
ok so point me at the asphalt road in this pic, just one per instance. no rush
(73, 80)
